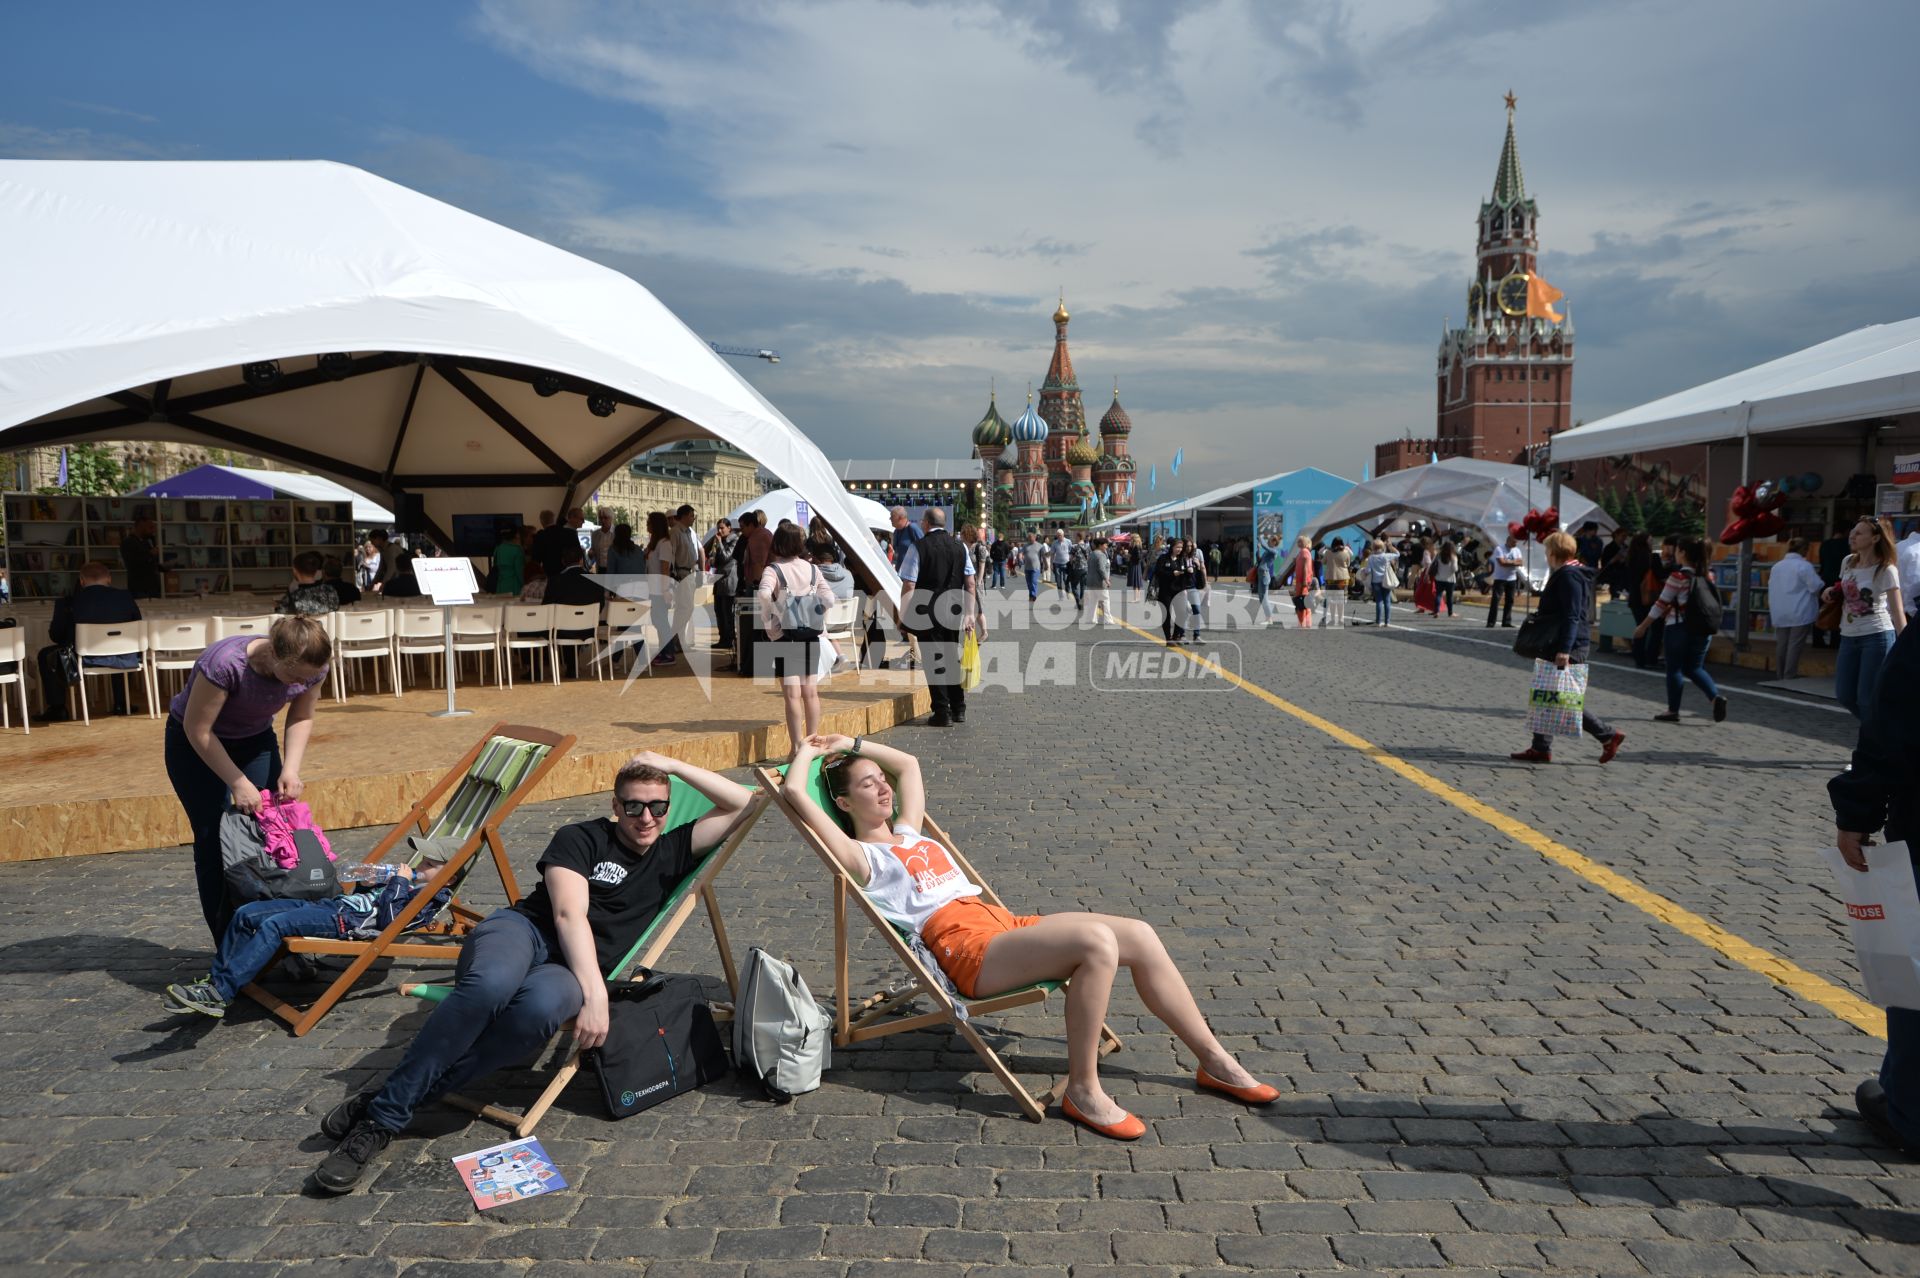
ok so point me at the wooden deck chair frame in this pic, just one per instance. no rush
(442, 938)
(875, 1016)
(695, 889)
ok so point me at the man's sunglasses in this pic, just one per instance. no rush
(655, 807)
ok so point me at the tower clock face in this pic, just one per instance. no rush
(1513, 294)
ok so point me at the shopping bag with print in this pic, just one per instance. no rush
(970, 662)
(1556, 699)
(1883, 913)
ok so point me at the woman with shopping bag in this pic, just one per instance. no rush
(1564, 618)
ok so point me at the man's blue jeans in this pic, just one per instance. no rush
(1033, 583)
(1687, 659)
(1856, 670)
(1000, 574)
(254, 937)
(510, 994)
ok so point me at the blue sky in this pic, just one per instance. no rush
(1260, 212)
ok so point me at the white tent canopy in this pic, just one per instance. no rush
(1870, 372)
(783, 503)
(320, 315)
(1462, 491)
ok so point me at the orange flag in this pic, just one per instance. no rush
(1540, 299)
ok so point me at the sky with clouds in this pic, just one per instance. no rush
(1261, 211)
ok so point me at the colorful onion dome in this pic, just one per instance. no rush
(1082, 454)
(1116, 421)
(993, 431)
(1029, 427)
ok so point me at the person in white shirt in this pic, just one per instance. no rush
(1907, 554)
(1793, 601)
(981, 947)
(1871, 614)
(1507, 561)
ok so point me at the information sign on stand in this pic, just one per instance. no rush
(450, 583)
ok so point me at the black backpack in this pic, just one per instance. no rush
(1704, 609)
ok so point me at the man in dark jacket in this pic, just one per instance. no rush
(573, 588)
(756, 549)
(140, 556)
(1567, 605)
(937, 589)
(1882, 788)
(97, 602)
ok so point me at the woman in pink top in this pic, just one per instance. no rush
(221, 751)
(984, 949)
(794, 653)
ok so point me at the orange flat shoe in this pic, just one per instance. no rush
(1258, 1094)
(1128, 1128)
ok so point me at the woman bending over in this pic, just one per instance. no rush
(982, 948)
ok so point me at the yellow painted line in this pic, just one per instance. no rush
(1844, 1004)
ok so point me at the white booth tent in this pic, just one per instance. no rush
(432, 361)
(783, 503)
(1870, 373)
(1461, 491)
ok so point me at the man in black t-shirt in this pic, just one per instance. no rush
(529, 969)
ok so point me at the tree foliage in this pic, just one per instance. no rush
(91, 472)
(1654, 513)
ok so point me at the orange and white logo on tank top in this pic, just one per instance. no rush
(928, 864)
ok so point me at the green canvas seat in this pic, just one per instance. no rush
(878, 1015)
(452, 822)
(686, 804)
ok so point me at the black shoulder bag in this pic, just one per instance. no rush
(661, 1041)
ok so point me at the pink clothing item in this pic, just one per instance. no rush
(279, 818)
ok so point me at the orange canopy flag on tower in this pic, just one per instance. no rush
(1540, 299)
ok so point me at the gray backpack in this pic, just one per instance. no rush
(782, 1038)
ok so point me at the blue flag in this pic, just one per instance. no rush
(1153, 478)
(1433, 459)
(62, 481)
(1106, 498)
(1083, 505)
(1364, 468)
(1178, 457)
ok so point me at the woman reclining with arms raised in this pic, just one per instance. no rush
(985, 950)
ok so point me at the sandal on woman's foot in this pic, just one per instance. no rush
(1128, 1128)
(1256, 1094)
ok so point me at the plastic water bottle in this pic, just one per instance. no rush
(370, 875)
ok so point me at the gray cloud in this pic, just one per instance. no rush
(1045, 247)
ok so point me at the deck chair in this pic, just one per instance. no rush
(877, 1015)
(695, 889)
(487, 784)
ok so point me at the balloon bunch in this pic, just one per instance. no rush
(1808, 483)
(1754, 512)
(1539, 524)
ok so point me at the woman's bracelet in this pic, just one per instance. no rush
(856, 746)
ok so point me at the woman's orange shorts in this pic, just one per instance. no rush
(959, 932)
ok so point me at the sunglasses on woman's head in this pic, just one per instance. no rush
(657, 808)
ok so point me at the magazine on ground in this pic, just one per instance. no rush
(508, 1173)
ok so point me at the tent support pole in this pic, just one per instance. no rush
(1743, 619)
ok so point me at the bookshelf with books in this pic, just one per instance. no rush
(207, 546)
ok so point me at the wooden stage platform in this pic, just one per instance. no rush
(69, 790)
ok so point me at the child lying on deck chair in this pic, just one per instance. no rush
(258, 927)
(985, 950)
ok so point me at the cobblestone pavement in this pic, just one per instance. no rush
(1490, 1065)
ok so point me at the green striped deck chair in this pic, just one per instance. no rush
(880, 1014)
(688, 804)
(453, 821)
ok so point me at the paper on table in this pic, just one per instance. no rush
(1883, 913)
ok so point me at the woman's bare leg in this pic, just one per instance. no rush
(793, 700)
(810, 691)
(1087, 949)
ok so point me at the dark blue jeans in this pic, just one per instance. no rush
(1033, 584)
(1900, 1067)
(1687, 659)
(1856, 670)
(510, 994)
(254, 937)
(203, 796)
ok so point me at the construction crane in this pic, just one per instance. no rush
(747, 352)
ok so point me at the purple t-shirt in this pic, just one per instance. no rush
(252, 698)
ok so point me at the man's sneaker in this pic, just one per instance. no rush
(198, 997)
(346, 1116)
(1719, 709)
(1871, 1100)
(1612, 747)
(341, 1170)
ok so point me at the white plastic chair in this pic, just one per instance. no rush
(13, 648)
(842, 629)
(476, 629)
(365, 636)
(225, 627)
(528, 627)
(419, 632)
(629, 628)
(112, 639)
(175, 643)
(584, 620)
